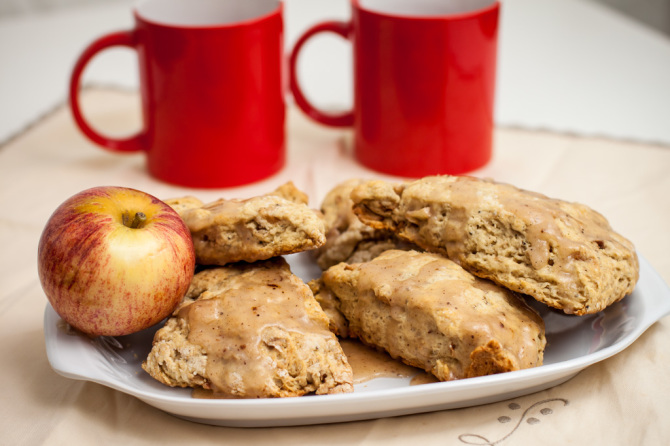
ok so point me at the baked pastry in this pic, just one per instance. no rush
(228, 231)
(250, 331)
(182, 204)
(347, 238)
(432, 314)
(291, 193)
(563, 254)
(330, 305)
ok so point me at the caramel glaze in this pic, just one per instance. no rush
(558, 236)
(368, 364)
(242, 328)
(431, 313)
(548, 224)
(200, 218)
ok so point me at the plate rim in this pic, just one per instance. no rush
(656, 305)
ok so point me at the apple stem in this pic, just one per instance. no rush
(139, 218)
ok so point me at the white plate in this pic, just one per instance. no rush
(573, 344)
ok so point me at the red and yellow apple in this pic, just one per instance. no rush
(113, 260)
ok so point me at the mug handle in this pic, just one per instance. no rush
(336, 120)
(121, 38)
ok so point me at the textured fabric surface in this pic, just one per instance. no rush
(622, 400)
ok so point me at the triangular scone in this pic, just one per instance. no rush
(250, 331)
(258, 228)
(432, 314)
(563, 254)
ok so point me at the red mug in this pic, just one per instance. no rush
(210, 77)
(424, 80)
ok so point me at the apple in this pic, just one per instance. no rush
(114, 261)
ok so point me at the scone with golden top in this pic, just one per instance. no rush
(432, 314)
(258, 228)
(347, 238)
(563, 254)
(250, 331)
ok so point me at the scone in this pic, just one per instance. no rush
(228, 231)
(432, 314)
(330, 305)
(563, 254)
(182, 204)
(347, 238)
(250, 331)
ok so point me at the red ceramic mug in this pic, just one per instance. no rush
(211, 88)
(424, 78)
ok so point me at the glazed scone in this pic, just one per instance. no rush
(250, 331)
(563, 254)
(174, 360)
(278, 223)
(347, 238)
(429, 312)
(287, 191)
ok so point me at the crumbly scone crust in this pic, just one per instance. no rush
(175, 361)
(230, 335)
(427, 311)
(563, 254)
(347, 238)
(330, 305)
(289, 192)
(228, 231)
